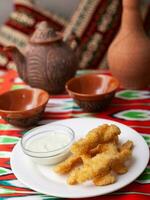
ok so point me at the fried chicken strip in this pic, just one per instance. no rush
(73, 160)
(99, 164)
(104, 180)
(127, 145)
(102, 147)
(119, 167)
(98, 135)
(68, 164)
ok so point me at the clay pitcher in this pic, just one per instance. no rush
(129, 54)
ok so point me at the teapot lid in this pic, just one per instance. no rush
(44, 34)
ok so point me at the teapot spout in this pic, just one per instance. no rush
(19, 59)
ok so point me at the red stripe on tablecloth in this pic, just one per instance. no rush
(6, 147)
(23, 191)
(124, 193)
(16, 188)
(129, 102)
(7, 176)
(120, 197)
(136, 187)
(109, 197)
(142, 130)
(14, 133)
(56, 117)
(4, 162)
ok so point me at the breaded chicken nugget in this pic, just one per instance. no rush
(85, 158)
(104, 180)
(68, 164)
(125, 152)
(99, 164)
(95, 166)
(127, 145)
(98, 135)
(102, 147)
(119, 168)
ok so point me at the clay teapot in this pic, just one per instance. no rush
(48, 62)
(129, 54)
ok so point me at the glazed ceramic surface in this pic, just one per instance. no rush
(92, 92)
(23, 107)
(48, 63)
(129, 54)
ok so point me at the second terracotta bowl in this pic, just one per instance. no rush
(92, 92)
(23, 107)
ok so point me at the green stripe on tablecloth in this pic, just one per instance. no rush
(134, 115)
(4, 171)
(8, 139)
(146, 138)
(145, 176)
(8, 127)
(133, 94)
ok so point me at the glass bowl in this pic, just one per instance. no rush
(48, 144)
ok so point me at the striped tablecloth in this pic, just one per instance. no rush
(129, 107)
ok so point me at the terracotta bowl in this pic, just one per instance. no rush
(92, 92)
(23, 107)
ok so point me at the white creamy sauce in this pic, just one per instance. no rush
(48, 142)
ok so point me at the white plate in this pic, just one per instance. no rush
(44, 180)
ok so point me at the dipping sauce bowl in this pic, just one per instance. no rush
(48, 144)
(23, 107)
(92, 92)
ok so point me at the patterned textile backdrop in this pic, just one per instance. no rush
(95, 23)
(21, 24)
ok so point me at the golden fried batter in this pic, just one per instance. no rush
(125, 152)
(126, 145)
(68, 164)
(119, 168)
(104, 180)
(98, 164)
(98, 135)
(96, 156)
